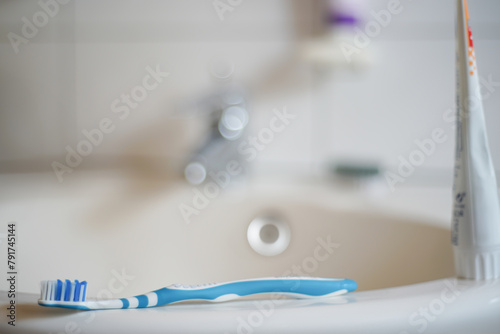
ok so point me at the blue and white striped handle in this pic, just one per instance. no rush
(298, 287)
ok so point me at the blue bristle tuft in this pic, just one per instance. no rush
(67, 292)
(84, 285)
(77, 291)
(59, 289)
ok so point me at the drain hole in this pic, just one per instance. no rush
(269, 233)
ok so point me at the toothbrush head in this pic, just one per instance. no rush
(62, 291)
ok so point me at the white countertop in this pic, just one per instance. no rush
(380, 311)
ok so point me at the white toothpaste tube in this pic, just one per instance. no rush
(476, 210)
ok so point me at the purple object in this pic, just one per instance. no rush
(342, 19)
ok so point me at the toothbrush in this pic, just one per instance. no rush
(72, 295)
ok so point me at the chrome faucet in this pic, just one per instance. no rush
(228, 120)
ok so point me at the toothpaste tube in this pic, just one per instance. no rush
(476, 210)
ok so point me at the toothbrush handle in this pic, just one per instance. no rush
(299, 287)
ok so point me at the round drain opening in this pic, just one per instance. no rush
(268, 235)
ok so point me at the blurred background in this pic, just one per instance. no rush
(363, 85)
(108, 107)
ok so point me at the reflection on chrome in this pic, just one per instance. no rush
(229, 119)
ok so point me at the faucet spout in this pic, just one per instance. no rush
(228, 122)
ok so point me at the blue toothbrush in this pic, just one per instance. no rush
(69, 294)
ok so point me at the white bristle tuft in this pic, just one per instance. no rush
(52, 290)
(43, 289)
(48, 290)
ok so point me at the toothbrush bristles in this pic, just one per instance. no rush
(64, 291)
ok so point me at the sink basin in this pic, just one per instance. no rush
(99, 229)
(376, 249)
(127, 238)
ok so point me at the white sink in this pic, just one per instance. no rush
(129, 237)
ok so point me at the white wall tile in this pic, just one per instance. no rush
(65, 79)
